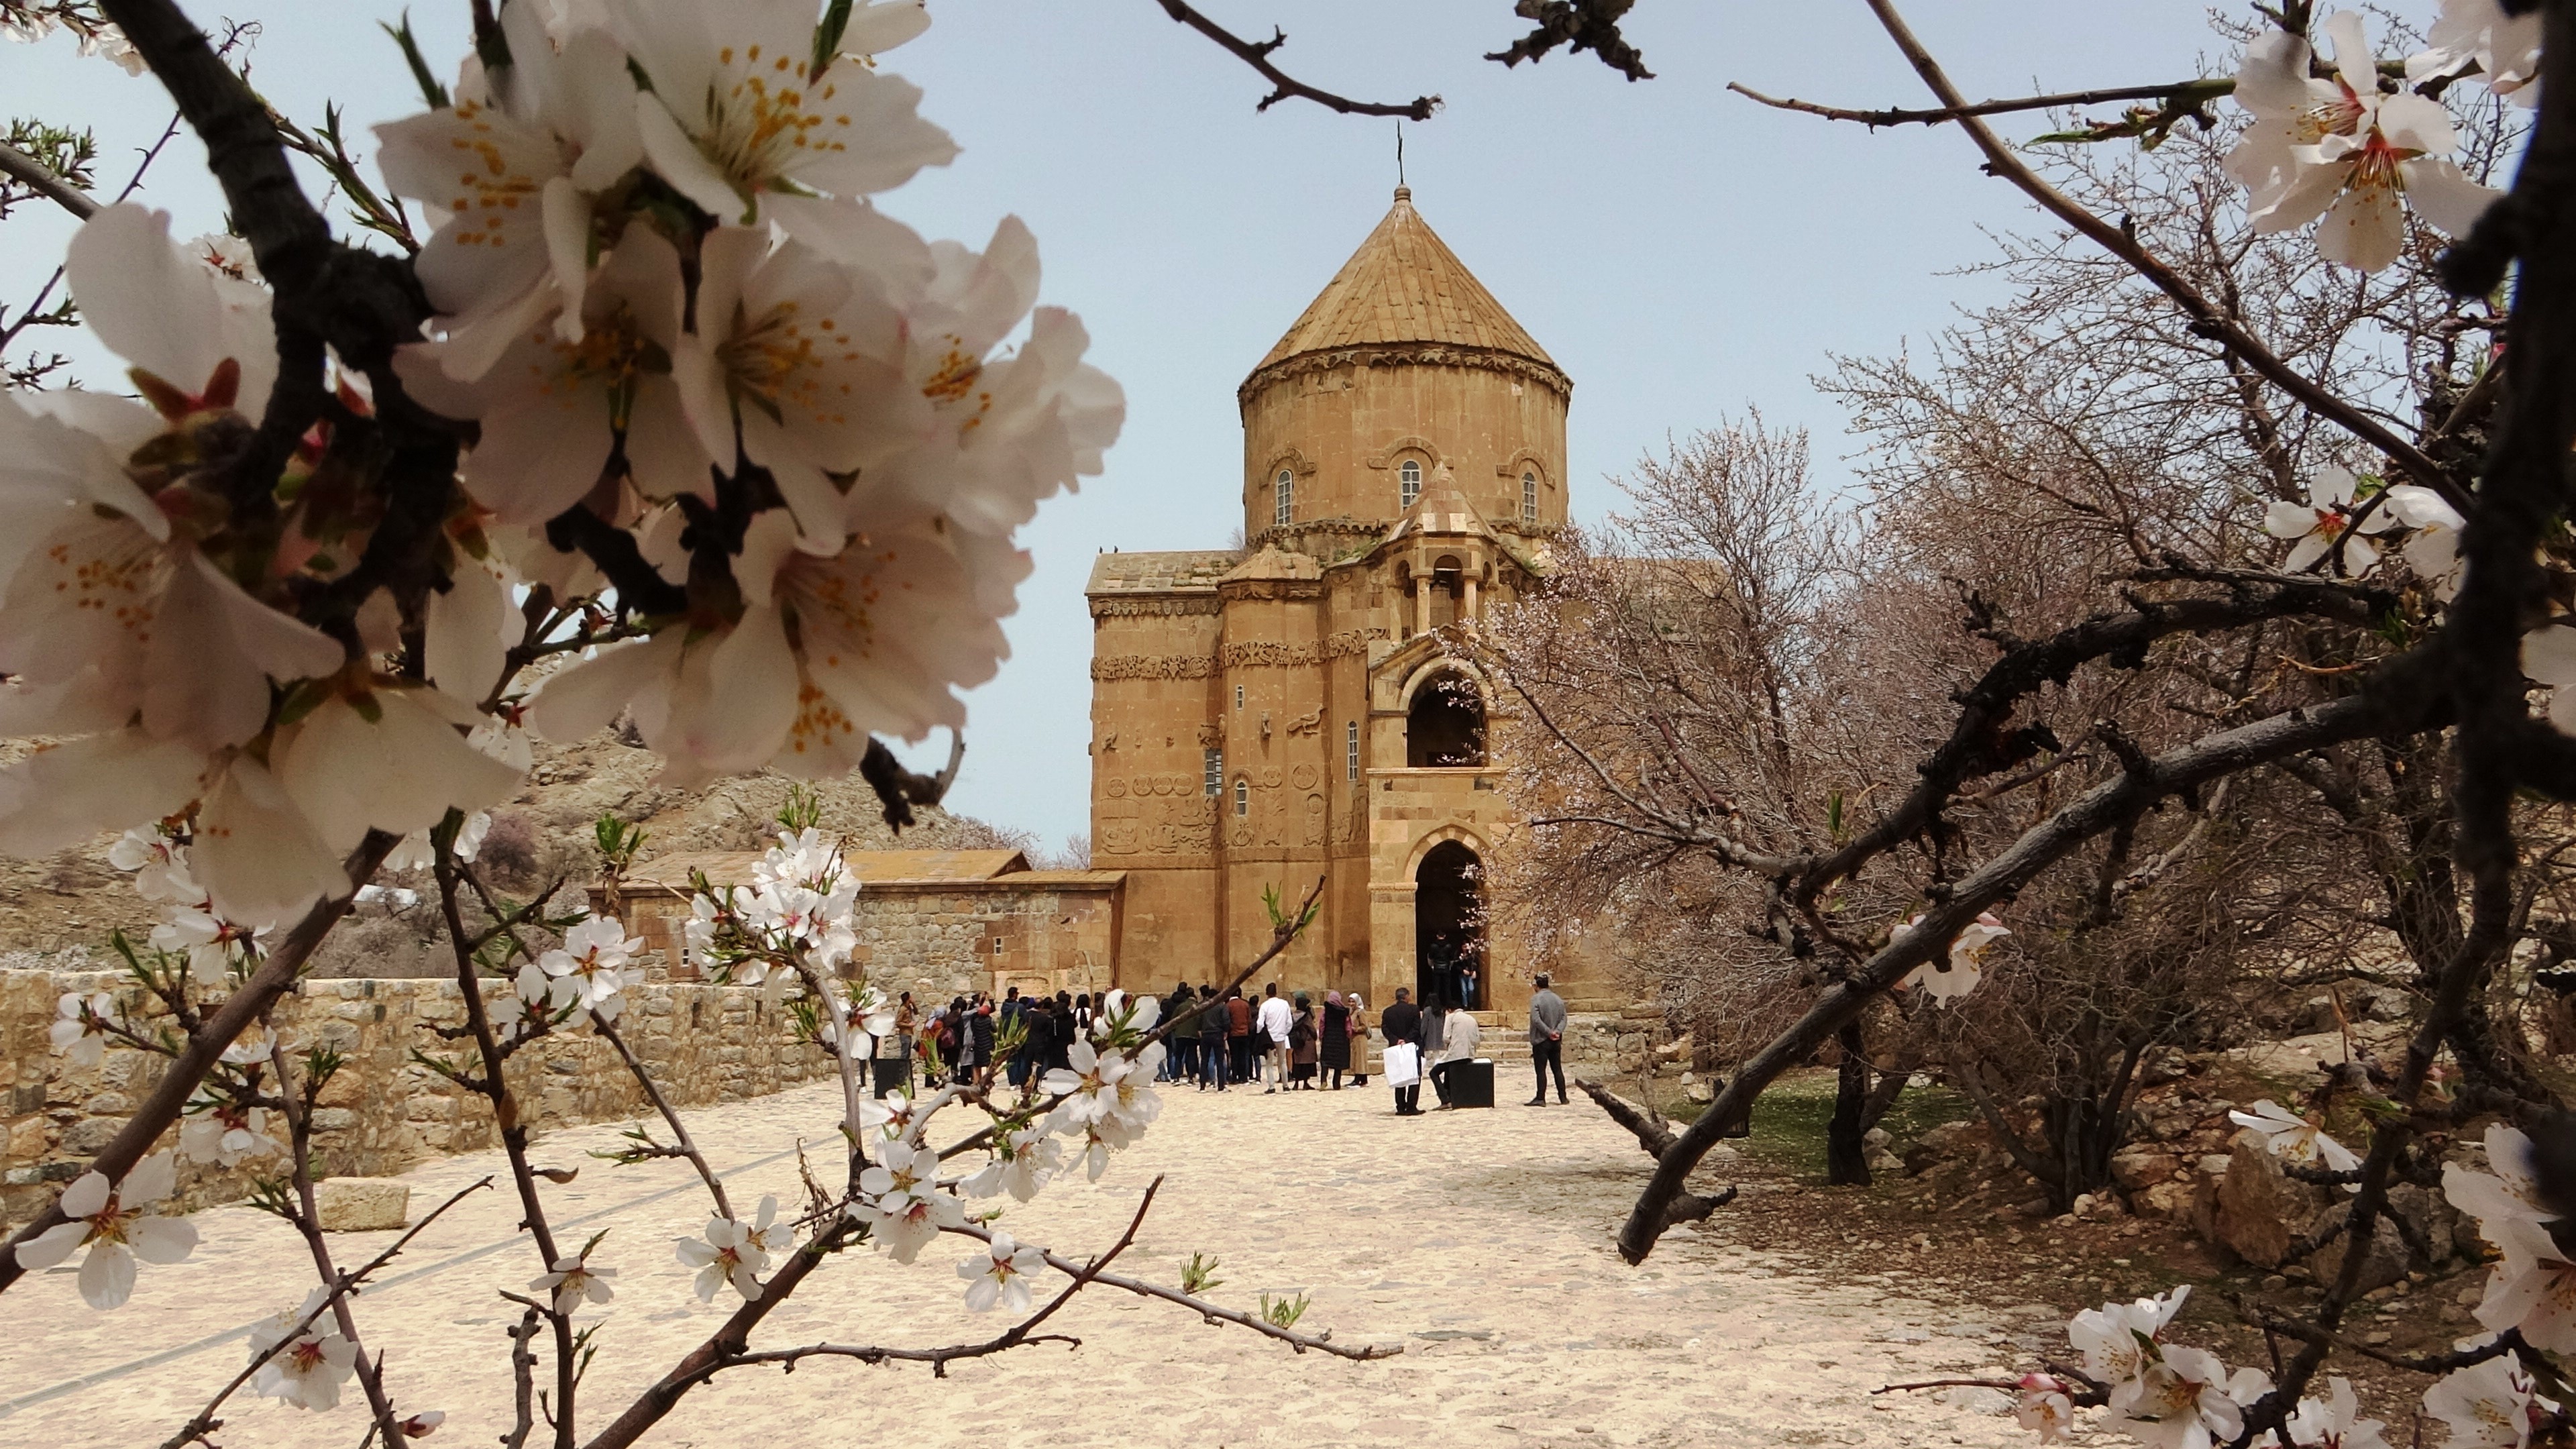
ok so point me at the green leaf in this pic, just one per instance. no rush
(827, 36)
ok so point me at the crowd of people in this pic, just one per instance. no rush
(1219, 1042)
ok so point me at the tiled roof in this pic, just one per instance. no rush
(1160, 573)
(1405, 285)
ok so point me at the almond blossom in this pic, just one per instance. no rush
(115, 1222)
(80, 1027)
(2432, 547)
(2326, 517)
(515, 165)
(2476, 37)
(158, 863)
(741, 121)
(1088, 1084)
(1957, 973)
(2335, 1422)
(574, 1282)
(2533, 1287)
(731, 1252)
(2488, 1405)
(213, 945)
(2293, 1138)
(555, 411)
(900, 1203)
(1028, 1158)
(999, 1275)
(589, 971)
(2507, 1192)
(2185, 1399)
(312, 1363)
(2118, 1339)
(225, 1133)
(2045, 1407)
(2342, 150)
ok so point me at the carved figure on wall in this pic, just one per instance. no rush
(1304, 776)
(1307, 723)
(1315, 819)
(1115, 789)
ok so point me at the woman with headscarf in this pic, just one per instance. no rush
(1359, 1041)
(1303, 1046)
(1336, 1043)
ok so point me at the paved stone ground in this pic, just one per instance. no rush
(1477, 1240)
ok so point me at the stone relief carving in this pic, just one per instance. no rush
(1431, 354)
(1315, 824)
(1303, 776)
(1307, 723)
(1152, 666)
(1259, 653)
(1151, 608)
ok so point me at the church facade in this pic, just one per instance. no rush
(1265, 717)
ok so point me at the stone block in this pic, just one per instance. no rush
(90, 1136)
(2136, 1168)
(362, 1204)
(2260, 1210)
(334, 1119)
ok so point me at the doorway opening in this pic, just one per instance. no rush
(1445, 728)
(1448, 924)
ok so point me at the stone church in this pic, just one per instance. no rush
(1264, 716)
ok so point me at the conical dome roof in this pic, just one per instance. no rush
(1405, 287)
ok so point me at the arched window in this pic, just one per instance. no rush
(1411, 474)
(1529, 497)
(1445, 728)
(1283, 499)
(1242, 797)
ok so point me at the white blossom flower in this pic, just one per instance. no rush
(1004, 431)
(514, 164)
(2549, 657)
(2115, 1337)
(2508, 1192)
(2334, 1422)
(212, 944)
(590, 970)
(2341, 149)
(116, 1223)
(2488, 1405)
(1088, 1084)
(2045, 1406)
(2293, 1138)
(2533, 1287)
(80, 1025)
(900, 1202)
(554, 411)
(575, 1282)
(309, 1370)
(999, 1275)
(1030, 1156)
(159, 865)
(741, 122)
(1956, 973)
(386, 758)
(797, 360)
(108, 41)
(733, 1253)
(2477, 37)
(891, 1117)
(2185, 1399)
(2324, 518)
(225, 1133)
(2432, 547)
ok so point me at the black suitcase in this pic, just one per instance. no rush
(890, 1074)
(1471, 1084)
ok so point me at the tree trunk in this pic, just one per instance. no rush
(1846, 1159)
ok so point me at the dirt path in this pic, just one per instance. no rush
(1477, 1240)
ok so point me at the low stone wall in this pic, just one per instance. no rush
(383, 1111)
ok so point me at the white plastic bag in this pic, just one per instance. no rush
(1403, 1064)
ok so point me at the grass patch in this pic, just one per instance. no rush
(1790, 1118)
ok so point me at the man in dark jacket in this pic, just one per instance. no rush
(1182, 1044)
(1547, 1041)
(1403, 1023)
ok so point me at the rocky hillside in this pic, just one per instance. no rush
(55, 909)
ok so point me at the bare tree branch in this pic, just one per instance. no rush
(1256, 54)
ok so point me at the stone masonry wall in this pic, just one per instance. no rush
(384, 1111)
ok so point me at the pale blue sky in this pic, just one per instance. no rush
(1681, 252)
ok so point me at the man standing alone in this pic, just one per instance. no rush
(1547, 1041)
(1403, 1023)
(1276, 1023)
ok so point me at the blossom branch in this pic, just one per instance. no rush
(36, 176)
(686, 1146)
(2208, 319)
(206, 1423)
(1256, 54)
(2188, 95)
(306, 1217)
(248, 1003)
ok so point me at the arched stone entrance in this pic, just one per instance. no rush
(1445, 726)
(1448, 919)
